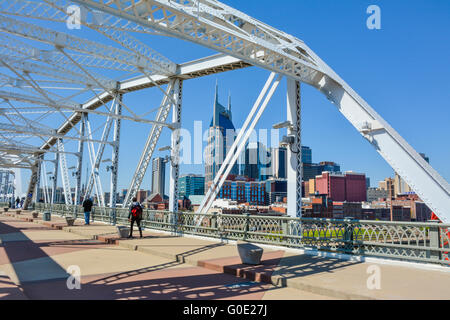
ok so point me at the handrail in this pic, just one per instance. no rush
(409, 241)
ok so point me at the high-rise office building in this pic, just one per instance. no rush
(388, 185)
(221, 136)
(279, 163)
(349, 187)
(191, 184)
(276, 190)
(158, 175)
(255, 162)
(306, 154)
(311, 170)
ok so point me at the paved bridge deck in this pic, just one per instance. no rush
(35, 255)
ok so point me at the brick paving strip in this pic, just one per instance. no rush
(331, 277)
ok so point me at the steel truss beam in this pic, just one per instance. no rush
(62, 72)
(67, 41)
(55, 178)
(12, 161)
(110, 26)
(101, 149)
(44, 11)
(43, 133)
(219, 27)
(198, 68)
(80, 161)
(64, 174)
(150, 145)
(32, 184)
(115, 162)
(175, 147)
(96, 177)
(74, 107)
(294, 151)
(240, 142)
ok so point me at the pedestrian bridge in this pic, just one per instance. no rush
(166, 265)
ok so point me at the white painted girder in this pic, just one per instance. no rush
(108, 25)
(193, 69)
(150, 146)
(64, 173)
(64, 40)
(101, 149)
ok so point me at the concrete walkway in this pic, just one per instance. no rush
(35, 257)
(283, 274)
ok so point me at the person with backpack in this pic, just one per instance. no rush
(87, 205)
(135, 215)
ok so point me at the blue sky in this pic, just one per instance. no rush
(401, 71)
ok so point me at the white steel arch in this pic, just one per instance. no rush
(219, 27)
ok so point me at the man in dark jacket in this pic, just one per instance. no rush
(87, 205)
(135, 215)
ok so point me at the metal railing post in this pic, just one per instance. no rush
(213, 223)
(246, 225)
(284, 230)
(435, 241)
(348, 233)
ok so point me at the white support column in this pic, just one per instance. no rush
(55, 177)
(80, 159)
(36, 194)
(150, 145)
(64, 173)
(96, 178)
(45, 183)
(175, 150)
(101, 148)
(115, 160)
(31, 185)
(294, 156)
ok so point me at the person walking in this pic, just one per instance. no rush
(17, 202)
(87, 205)
(135, 215)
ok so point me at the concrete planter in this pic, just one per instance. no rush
(123, 232)
(35, 214)
(249, 253)
(70, 221)
(46, 216)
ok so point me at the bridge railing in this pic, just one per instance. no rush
(410, 241)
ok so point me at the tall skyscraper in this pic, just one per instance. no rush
(255, 162)
(279, 163)
(158, 175)
(306, 154)
(191, 184)
(221, 136)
